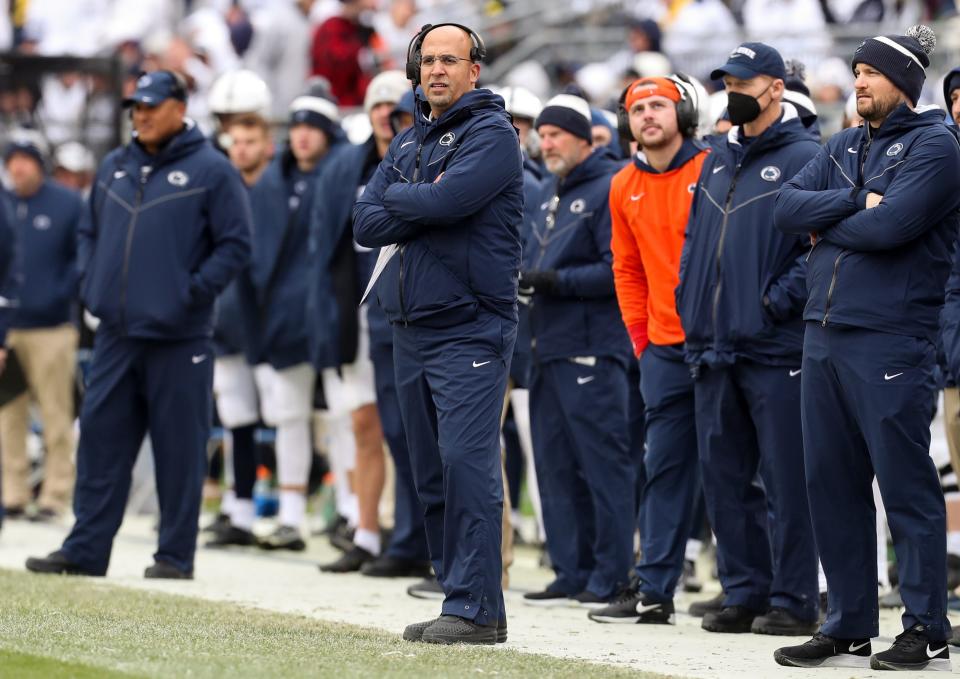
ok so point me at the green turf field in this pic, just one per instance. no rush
(52, 626)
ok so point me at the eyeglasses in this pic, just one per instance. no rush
(445, 59)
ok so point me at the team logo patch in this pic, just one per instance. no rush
(119, 174)
(41, 222)
(178, 178)
(447, 139)
(895, 149)
(300, 186)
(294, 202)
(578, 206)
(692, 188)
(144, 81)
(743, 52)
(770, 173)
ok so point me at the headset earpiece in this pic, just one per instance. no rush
(478, 52)
(688, 117)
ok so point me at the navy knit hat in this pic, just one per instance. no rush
(901, 58)
(568, 112)
(30, 143)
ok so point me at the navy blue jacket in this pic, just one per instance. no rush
(533, 178)
(9, 270)
(884, 268)
(949, 348)
(460, 247)
(273, 291)
(581, 317)
(160, 238)
(742, 287)
(46, 225)
(336, 193)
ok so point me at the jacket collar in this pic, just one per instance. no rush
(687, 151)
(904, 118)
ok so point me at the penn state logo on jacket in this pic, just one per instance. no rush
(178, 178)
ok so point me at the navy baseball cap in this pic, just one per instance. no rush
(156, 87)
(750, 60)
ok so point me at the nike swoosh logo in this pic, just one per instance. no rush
(477, 365)
(933, 654)
(644, 608)
(119, 174)
(794, 373)
(851, 150)
(198, 359)
(406, 143)
(584, 380)
(717, 169)
(856, 647)
(890, 377)
(637, 197)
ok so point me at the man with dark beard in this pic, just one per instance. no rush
(880, 203)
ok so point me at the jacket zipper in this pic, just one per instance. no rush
(723, 234)
(836, 262)
(416, 178)
(128, 248)
(833, 284)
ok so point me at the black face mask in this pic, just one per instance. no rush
(743, 108)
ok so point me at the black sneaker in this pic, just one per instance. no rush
(700, 608)
(342, 537)
(284, 537)
(452, 629)
(824, 651)
(55, 563)
(219, 524)
(17, 512)
(415, 631)
(781, 622)
(689, 580)
(729, 620)
(955, 639)
(350, 562)
(913, 650)
(428, 588)
(161, 570)
(45, 515)
(630, 606)
(586, 599)
(393, 567)
(230, 537)
(546, 598)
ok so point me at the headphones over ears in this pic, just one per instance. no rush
(688, 118)
(477, 53)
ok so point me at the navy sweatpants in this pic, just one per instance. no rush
(751, 459)
(586, 475)
(409, 539)
(671, 470)
(451, 383)
(137, 386)
(868, 398)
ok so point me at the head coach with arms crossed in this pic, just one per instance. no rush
(166, 227)
(881, 204)
(449, 193)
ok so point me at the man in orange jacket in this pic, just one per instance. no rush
(649, 202)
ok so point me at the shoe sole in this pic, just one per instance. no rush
(784, 631)
(298, 546)
(724, 629)
(842, 660)
(635, 620)
(451, 639)
(936, 665)
(418, 635)
(432, 596)
(43, 569)
(592, 605)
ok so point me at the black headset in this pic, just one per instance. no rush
(477, 53)
(688, 118)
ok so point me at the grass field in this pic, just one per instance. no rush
(81, 628)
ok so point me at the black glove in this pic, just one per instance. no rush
(538, 282)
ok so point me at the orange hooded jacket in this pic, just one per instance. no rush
(649, 211)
